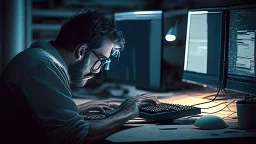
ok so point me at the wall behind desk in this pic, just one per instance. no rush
(13, 32)
(1, 38)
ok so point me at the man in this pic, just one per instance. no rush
(37, 102)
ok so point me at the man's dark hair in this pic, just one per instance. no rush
(90, 27)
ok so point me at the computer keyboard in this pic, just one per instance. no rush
(162, 111)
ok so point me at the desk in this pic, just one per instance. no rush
(150, 133)
(185, 132)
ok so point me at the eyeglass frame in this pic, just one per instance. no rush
(102, 59)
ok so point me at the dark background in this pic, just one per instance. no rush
(24, 21)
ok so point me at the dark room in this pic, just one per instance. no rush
(128, 71)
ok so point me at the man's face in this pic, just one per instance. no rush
(80, 71)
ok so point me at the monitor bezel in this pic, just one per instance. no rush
(204, 79)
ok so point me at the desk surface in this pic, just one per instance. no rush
(224, 106)
(190, 97)
(157, 133)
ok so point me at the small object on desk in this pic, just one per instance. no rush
(246, 115)
(210, 122)
(165, 111)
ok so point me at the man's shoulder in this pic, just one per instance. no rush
(35, 55)
(26, 62)
(31, 58)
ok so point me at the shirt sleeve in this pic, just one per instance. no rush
(48, 92)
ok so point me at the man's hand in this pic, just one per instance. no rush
(144, 99)
(94, 105)
(100, 129)
(129, 109)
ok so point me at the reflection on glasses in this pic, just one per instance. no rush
(99, 63)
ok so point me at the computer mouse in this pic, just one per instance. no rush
(210, 122)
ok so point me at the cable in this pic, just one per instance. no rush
(221, 109)
(212, 99)
(229, 115)
(209, 95)
(229, 110)
(217, 93)
(214, 105)
(220, 89)
(226, 93)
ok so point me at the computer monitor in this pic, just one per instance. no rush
(241, 74)
(140, 61)
(205, 45)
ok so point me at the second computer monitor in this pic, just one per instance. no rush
(140, 61)
(241, 75)
(205, 44)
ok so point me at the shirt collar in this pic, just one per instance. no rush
(49, 49)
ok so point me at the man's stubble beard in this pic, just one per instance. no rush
(76, 71)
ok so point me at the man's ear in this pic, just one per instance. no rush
(80, 51)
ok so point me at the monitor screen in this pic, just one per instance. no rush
(241, 51)
(140, 62)
(204, 47)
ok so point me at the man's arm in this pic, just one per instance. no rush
(47, 91)
(129, 109)
(100, 129)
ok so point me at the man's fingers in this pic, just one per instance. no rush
(92, 108)
(156, 99)
(106, 107)
(101, 109)
(113, 105)
(94, 102)
(149, 98)
(152, 101)
(99, 103)
(143, 95)
(146, 96)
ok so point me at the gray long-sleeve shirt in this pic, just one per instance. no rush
(40, 73)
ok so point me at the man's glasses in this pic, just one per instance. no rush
(99, 63)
